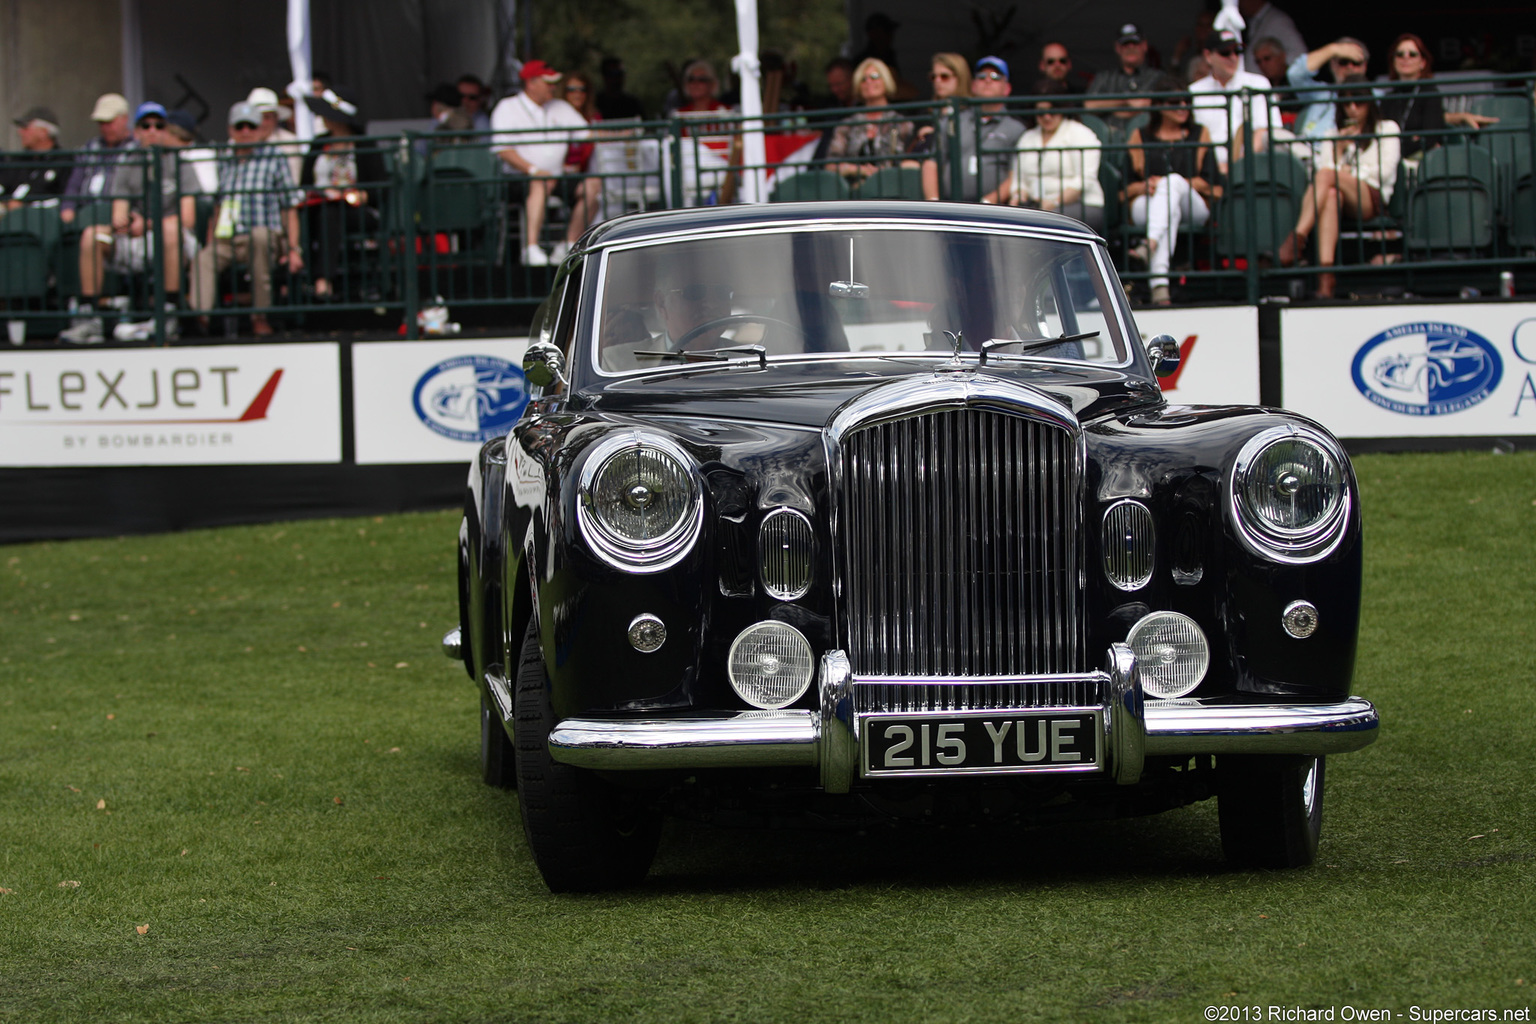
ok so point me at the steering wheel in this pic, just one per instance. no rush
(735, 318)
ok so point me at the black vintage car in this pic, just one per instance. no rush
(878, 509)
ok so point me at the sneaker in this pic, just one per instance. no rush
(533, 256)
(557, 253)
(85, 330)
(134, 330)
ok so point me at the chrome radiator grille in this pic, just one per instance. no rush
(960, 538)
(979, 696)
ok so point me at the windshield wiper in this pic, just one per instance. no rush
(709, 354)
(1030, 346)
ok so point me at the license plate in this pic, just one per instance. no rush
(1061, 740)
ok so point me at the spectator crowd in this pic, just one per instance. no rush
(148, 196)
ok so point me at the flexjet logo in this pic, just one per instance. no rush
(1427, 369)
(470, 398)
(122, 397)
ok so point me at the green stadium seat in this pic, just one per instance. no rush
(809, 185)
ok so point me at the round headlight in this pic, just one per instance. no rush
(1171, 653)
(1290, 493)
(641, 505)
(771, 664)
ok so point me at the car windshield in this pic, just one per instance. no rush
(864, 290)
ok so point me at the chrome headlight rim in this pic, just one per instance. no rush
(649, 556)
(1267, 540)
(774, 591)
(1117, 579)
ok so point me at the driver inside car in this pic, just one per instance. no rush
(687, 307)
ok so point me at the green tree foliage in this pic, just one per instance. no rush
(650, 35)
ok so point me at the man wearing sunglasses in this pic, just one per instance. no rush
(257, 220)
(1345, 56)
(1220, 104)
(127, 244)
(1056, 64)
(983, 170)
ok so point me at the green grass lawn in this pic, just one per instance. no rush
(239, 782)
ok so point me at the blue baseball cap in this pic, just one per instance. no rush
(147, 108)
(993, 62)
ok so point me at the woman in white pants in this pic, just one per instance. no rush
(1173, 167)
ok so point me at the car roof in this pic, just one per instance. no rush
(640, 226)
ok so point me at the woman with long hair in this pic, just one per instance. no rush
(950, 78)
(1413, 101)
(875, 136)
(1355, 174)
(1173, 165)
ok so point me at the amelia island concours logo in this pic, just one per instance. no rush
(471, 398)
(1427, 369)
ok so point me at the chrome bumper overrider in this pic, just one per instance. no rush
(828, 739)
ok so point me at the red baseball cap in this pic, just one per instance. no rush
(538, 69)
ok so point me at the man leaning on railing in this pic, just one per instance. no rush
(257, 219)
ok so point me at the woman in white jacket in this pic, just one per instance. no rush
(1353, 177)
(1057, 167)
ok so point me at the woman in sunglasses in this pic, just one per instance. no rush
(1354, 176)
(1414, 102)
(1174, 167)
(874, 137)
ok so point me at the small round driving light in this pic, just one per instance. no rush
(770, 664)
(1300, 619)
(1172, 653)
(647, 633)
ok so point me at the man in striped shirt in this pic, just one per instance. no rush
(257, 220)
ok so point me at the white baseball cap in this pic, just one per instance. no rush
(263, 99)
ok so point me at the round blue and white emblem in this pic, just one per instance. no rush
(1427, 369)
(471, 398)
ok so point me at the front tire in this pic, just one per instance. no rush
(1271, 810)
(584, 834)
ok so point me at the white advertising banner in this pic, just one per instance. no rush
(434, 401)
(1219, 353)
(221, 405)
(1463, 370)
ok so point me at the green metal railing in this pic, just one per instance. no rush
(439, 216)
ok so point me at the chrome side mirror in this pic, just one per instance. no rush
(543, 364)
(1163, 350)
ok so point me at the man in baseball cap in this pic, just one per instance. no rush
(34, 174)
(980, 171)
(268, 105)
(257, 221)
(539, 155)
(1131, 76)
(93, 167)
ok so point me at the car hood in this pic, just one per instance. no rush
(808, 393)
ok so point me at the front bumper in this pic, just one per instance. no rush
(828, 738)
